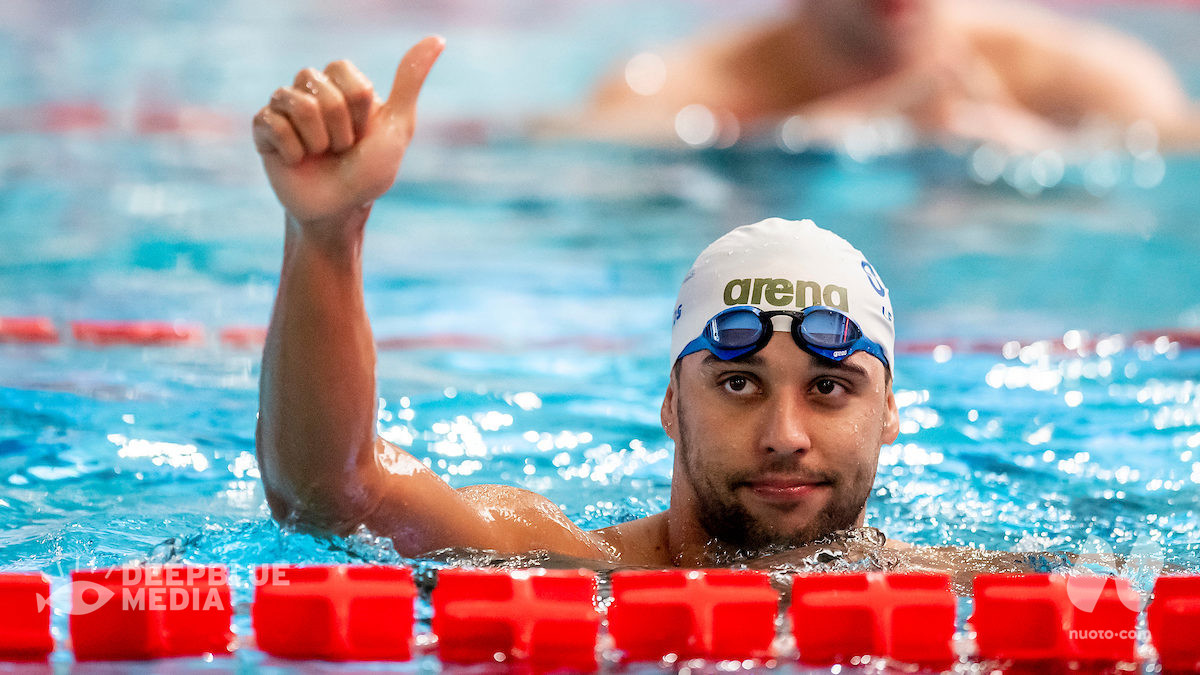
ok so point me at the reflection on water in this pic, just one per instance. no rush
(526, 288)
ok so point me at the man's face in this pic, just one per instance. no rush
(888, 27)
(780, 447)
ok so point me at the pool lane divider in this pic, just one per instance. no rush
(709, 614)
(147, 119)
(25, 617)
(906, 617)
(334, 613)
(166, 117)
(33, 330)
(544, 618)
(1174, 621)
(148, 333)
(150, 612)
(1038, 617)
(160, 333)
(554, 619)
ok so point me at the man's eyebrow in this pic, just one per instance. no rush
(712, 360)
(854, 368)
(755, 361)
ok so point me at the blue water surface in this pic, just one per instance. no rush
(559, 260)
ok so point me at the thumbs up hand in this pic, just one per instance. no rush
(331, 147)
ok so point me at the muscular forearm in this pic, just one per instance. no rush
(316, 428)
(330, 148)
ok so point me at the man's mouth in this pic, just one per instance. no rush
(786, 490)
(893, 8)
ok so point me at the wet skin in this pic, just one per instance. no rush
(777, 448)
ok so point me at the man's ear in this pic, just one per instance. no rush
(891, 422)
(669, 414)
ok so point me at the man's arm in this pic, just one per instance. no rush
(1071, 70)
(330, 148)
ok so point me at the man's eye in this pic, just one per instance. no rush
(826, 386)
(738, 384)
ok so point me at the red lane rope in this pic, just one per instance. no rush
(554, 619)
(136, 332)
(41, 330)
(243, 337)
(1185, 338)
(27, 329)
(92, 116)
(62, 117)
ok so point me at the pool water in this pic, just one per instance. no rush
(540, 275)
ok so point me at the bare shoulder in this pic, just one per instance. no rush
(1015, 26)
(1016, 38)
(527, 521)
(639, 542)
(641, 96)
(1070, 65)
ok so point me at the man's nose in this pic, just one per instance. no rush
(785, 428)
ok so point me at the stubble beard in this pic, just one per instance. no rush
(728, 521)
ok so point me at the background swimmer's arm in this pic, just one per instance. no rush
(1072, 71)
(330, 148)
(614, 112)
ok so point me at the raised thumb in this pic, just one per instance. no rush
(410, 74)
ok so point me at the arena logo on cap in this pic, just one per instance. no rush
(874, 280)
(782, 292)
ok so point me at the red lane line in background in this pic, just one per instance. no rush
(151, 118)
(437, 340)
(136, 332)
(160, 119)
(41, 330)
(67, 116)
(243, 337)
(157, 118)
(1186, 338)
(92, 116)
(36, 329)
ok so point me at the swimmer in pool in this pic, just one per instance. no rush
(780, 391)
(1010, 73)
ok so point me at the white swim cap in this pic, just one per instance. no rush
(779, 264)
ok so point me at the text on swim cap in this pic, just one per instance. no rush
(874, 280)
(782, 292)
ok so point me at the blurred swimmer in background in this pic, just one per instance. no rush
(1015, 75)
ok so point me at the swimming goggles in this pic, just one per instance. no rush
(819, 330)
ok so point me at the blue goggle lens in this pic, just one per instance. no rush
(828, 329)
(735, 330)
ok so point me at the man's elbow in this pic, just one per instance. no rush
(329, 504)
(1181, 134)
(311, 496)
(329, 510)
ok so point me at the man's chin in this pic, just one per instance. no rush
(798, 525)
(772, 535)
(772, 542)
